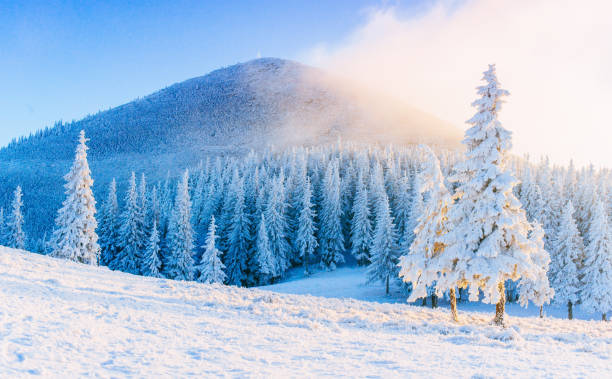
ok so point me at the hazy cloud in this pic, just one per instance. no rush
(553, 56)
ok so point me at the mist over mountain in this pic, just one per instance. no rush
(247, 106)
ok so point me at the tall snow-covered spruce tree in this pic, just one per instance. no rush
(151, 260)
(305, 239)
(384, 250)
(597, 269)
(129, 257)
(569, 251)
(211, 268)
(239, 239)
(361, 226)
(74, 237)
(487, 242)
(180, 234)
(420, 266)
(16, 237)
(109, 226)
(331, 242)
(263, 253)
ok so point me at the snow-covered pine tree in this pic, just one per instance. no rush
(210, 267)
(74, 237)
(403, 213)
(569, 251)
(180, 234)
(585, 203)
(224, 221)
(16, 237)
(199, 192)
(276, 224)
(417, 208)
(130, 233)
(109, 226)
(154, 214)
(384, 250)
(143, 209)
(239, 239)
(151, 260)
(332, 239)
(488, 239)
(420, 266)
(537, 289)
(596, 293)
(361, 227)
(306, 240)
(265, 259)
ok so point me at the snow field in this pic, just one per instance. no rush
(59, 318)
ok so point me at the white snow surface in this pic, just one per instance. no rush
(63, 319)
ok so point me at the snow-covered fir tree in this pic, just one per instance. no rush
(597, 270)
(75, 237)
(129, 258)
(143, 211)
(109, 226)
(179, 265)
(151, 260)
(211, 268)
(403, 213)
(384, 250)
(537, 288)
(265, 259)
(306, 229)
(488, 239)
(420, 266)
(16, 237)
(569, 251)
(331, 242)
(361, 226)
(239, 239)
(276, 224)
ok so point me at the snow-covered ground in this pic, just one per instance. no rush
(350, 283)
(61, 319)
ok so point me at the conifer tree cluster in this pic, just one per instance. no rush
(308, 207)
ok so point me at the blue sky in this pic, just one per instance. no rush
(65, 59)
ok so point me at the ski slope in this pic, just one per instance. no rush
(62, 319)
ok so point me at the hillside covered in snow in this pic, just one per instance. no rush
(231, 110)
(59, 318)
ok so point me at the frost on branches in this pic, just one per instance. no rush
(211, 267)
(488, 242)
(180, 234)
(75, 237)
(537, 289)
(597, 291)
(16, 237)
(419, 266)
(569, 251)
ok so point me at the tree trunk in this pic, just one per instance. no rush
(603, 317)
(453, 305)
(387, 285)
(500, 307)
(306, 265)
(570, 310)
(424, 301)
(434, 301)
(541, 311)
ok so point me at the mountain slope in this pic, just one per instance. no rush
(63, 319)
(229, 111)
